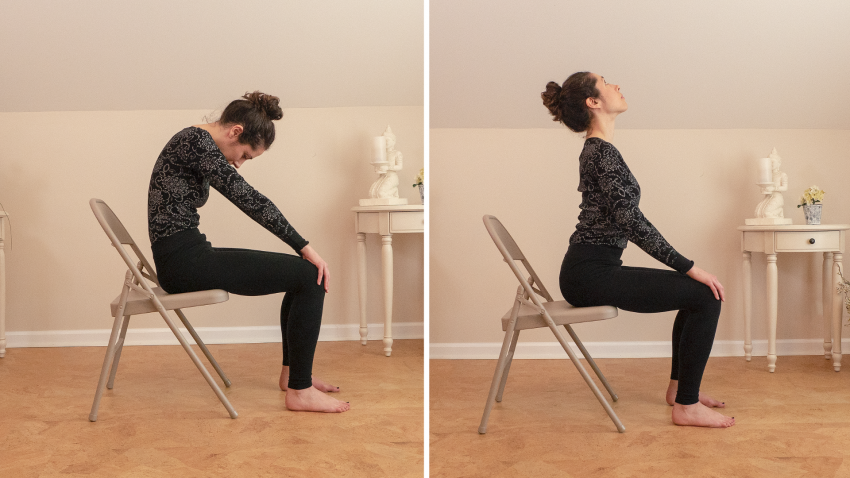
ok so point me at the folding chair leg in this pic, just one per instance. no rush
(508, 366)
(585, 375)
(497, 376)
(118, 349)
(203, 347)
(196, 360)
(591, 362)
(110, 353)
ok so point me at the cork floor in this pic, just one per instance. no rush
(162, 419)
(792, 423)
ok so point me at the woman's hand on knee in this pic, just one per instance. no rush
(309, 254)
(708, 279)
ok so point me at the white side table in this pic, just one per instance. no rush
(3, 217)
(826, 238)
(386, 221)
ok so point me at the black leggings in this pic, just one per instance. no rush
(186, 262)
(594, 275)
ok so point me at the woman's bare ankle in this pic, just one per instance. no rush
(673, 388)
(283, 383)
(671, 392)
(320, 384)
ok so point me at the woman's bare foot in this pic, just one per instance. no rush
(698, 415)
(703, 398)
(317, 382)
(312, 400)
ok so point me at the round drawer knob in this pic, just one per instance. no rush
(812, 240)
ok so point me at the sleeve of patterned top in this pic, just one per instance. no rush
(226, 180)
(623, 193)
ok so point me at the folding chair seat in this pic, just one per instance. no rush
(530, 312)
(138, 296)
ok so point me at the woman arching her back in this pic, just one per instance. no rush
(207, 155)
(592, 273)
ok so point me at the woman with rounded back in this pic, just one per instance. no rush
(207, 155)
(592, 273)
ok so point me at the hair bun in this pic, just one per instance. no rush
(268, 104)
(552, 99)
(568, 103)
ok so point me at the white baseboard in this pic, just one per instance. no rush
(553, 350)
(210, 335)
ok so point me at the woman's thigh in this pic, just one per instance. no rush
(645, 290)
(244, 272)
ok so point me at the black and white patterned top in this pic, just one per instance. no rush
(180, 183)
(610, 216)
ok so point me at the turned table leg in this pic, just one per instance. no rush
(836, 312)
(361, 284)
(827, 305)
(748, 306)
(772, 296)
(387, 264)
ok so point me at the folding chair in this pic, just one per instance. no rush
(529, 312)
(138, 297)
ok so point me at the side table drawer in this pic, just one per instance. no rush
(407, 221)
(801, 241)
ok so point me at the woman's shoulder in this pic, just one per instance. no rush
(191, 140)
(599, 144)
(601, 153)
(193, 134)
(189, 146)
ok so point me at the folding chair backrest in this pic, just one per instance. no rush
(511, 253)
(506, 244)
(119, 236)
(110, 222)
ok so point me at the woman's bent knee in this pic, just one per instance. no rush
(308, 276)
(704, 300)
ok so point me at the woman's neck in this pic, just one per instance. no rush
(215, 130)
(211, 128)
(602, 128)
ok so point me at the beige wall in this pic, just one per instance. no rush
(697, 188)
(62, 273)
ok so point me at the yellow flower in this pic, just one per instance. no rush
(812, 195)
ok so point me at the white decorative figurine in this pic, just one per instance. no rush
(387, 161)
(772, 182)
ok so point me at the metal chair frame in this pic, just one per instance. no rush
(529, 311)
(149, 299)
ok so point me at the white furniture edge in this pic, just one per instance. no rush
(398, 207)
(795, 227)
